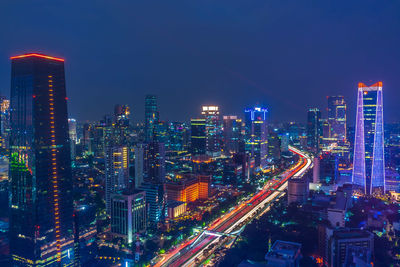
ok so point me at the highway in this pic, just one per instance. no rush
(193, 251)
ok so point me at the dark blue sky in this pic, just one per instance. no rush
(288, 55)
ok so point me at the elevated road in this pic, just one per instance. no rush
(190, 252)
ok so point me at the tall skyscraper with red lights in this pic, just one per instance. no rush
(41, 204)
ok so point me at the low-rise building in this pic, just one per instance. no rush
(284, 254)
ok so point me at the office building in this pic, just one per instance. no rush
(369, 162)
(121, 115)
(198, 136)
(41, 202)
(128, 214)
(155, 162)
(337, 118)
(72, 130)
(335, 128)
(117, 172)
(151, 116)
(154, 181)
(336, 246)
(213, 129)
(85, 233)
(314, 129)
(4, 122)
(73, 137)
(86, 138)
(284, 254)
(274, 146)
(232, 132)
(139, 164)
(178, 136)
(284, 142)
(156, 202)
(257, 135)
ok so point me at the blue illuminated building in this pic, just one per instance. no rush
(257, 134)
(369, 162)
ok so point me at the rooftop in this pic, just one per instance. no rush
(37, 55)
(284, 249)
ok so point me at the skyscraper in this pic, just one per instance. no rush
(211, 115)
(121, 115)
(72, 130)
(198, 136)
(117, 172)
(139, 164)
(4, 122)
(154, 184)
(257, 134)
(155, 162)
(232, 132)
(41, 203)
(314, 129)
(335, 134)
(337, 117)
(73, 137)
(369, 161)
(151, 116)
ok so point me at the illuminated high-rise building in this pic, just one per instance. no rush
(41, 202)
(161, 132)
(337, 117)
(232, 132)
(177, 136)
(369, 161)
(128, 214)
(86, 138)
(198, 136)
(314, 129)
(117, 172)
(72, 130)
(274, 146)
(4, 122)
(139, 164)
(121, 115)
(335, 128)
(213, 129)
(151, 116)
(155, 162)
(257, 134)
(73, 137)
(154, 181)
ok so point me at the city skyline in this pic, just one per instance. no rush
(199, 133)
(259, 60)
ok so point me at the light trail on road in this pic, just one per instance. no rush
(187, 253)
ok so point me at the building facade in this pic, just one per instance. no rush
(128, 214)
(369, 161)
(213, 129)
(257, 135)
(337, 118)
(232, 133)
(41, 203)
(314, 129)
(151, 116)
(198, 136)
(117, 172)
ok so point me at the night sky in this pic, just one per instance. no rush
(288, 55)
